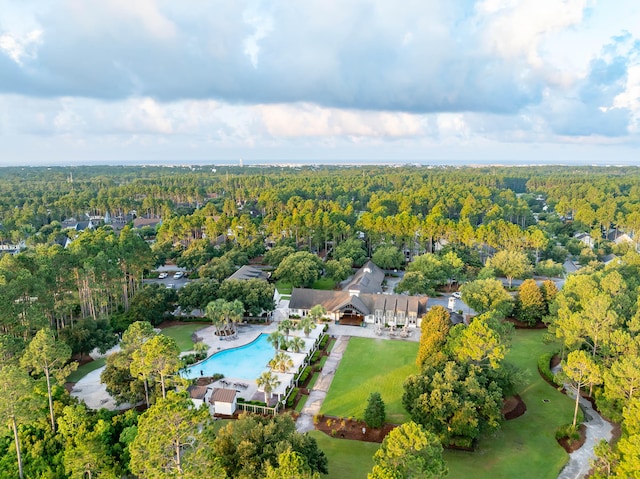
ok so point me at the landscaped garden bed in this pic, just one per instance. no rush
(351, 429)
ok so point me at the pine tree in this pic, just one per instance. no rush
(374, 414)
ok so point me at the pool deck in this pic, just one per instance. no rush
(94, 394)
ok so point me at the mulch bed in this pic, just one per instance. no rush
(570, 445)
(513, 407)
(352, 429)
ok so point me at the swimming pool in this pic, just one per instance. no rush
(244, 362)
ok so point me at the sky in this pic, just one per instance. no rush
(317, 81)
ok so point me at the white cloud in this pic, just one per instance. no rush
(515, 29)
(19, 47)
(307, 120)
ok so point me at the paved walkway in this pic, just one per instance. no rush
(319, 391)
(597, 430)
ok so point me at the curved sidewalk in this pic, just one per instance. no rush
(597, 430)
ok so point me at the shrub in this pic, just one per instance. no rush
(324, 341)
(305, 374)
(568, 431)
(544, 366)
(316, 356)
(291, 400)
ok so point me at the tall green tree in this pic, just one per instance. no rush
(433, 337)
(291, 465)
(157, 357)
(456, 401)
(48, 356)
(480, 344)
(582, 371)
(16, 402)
(374, 413)
(174, 440)
(120, 383)
(409, 452)
(256, 295)
(485, 295)
(247, 446)
(530, 303)
(511, 264)
(300, 269)
(388, 257)
(352, 248)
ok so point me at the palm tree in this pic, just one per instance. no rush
(285, 326)
(223, 312)
(268, 382)
(317, 312)
(214, 311)
(276, 339)
(307, 323)
(281, 362)
(235, 312)
(297, 344)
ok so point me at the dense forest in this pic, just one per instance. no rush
(66, 289)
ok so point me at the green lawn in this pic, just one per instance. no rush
(85, 369)
(313, 381)
(324, 283)
(284, 287)
(347, 459)
(182, 334)
(301, 402)
(371, 365)
(526, 446)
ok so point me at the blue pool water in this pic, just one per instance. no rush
(244, 362)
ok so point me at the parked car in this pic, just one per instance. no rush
(170, 285)
(457, 295)
(178, 275)
(162, 275)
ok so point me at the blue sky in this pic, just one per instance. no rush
(433, 81)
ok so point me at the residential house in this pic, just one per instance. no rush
(249, 272)
(585, 238)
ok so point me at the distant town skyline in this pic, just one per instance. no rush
(428, 82)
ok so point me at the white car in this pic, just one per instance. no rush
(162, 275)
(170, 286)
(457, 295)
(178, 275)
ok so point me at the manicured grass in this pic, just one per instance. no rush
(301, 402)
(182, 334)
(313, 381)
(370, 365)
(85, 369)
(323, 360)
(526, 446)
(330, 345)
(283, 287)
(324, 283)
(347, 459)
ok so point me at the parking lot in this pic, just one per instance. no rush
(170, 276)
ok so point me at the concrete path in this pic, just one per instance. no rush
(319, 391)
(597, 430)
